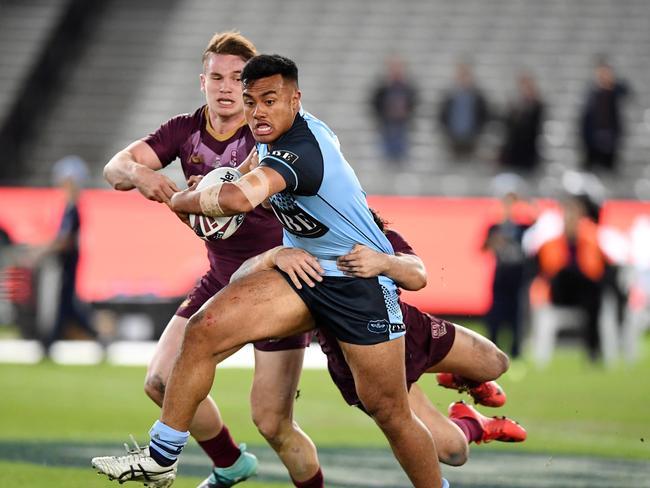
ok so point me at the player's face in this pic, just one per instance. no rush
(270, 107)
(221, 83)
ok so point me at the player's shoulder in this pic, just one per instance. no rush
(297, 143)
(188, 119)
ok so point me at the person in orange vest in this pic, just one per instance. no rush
(574, 265)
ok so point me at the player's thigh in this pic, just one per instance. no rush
(259, 306)
(473, 356)
(167, 348)
(379, 374)
(275, 382)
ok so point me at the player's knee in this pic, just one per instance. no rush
(270, 425)
(201, 332)
(154, 387)
(384, 409)
(195, 331)
(495, 362)
(500, 364)
(453, 452)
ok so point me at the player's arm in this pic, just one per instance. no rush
(407, 270)
(136, 166)
(301, 266)
(223, 199)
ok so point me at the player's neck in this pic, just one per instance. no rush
(224, 125)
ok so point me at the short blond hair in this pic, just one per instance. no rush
(231, 42)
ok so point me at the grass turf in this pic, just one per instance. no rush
(26, 475)
(571, 407)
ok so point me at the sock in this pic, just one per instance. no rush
(166, 443)
(315, 481)
(445, 483)
(470, 427)
(222, 449)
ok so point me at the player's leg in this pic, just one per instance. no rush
(207, 422)
(380, 376)
(268, 307)
(272, 398)
(473, 357)
(207, 425)
(451, 442)
(472, 364)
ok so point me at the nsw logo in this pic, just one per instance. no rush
(378, 326)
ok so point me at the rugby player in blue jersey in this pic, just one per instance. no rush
(216, 135)
(317, 197)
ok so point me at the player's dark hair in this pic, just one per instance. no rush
(265, 65)
(231, 42)
(381, 223)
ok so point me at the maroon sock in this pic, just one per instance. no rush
(222, 449)
(470, 427)
(315, 481)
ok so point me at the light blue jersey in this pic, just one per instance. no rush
(323, 209)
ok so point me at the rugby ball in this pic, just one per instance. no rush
(216, 228)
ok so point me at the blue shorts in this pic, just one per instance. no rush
(360, 311)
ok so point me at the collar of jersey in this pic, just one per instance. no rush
(215, 134)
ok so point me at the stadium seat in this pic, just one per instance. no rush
(548, 320)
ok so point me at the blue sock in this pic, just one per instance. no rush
(166, 443)
(445, 483)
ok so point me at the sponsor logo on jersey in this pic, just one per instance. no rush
(287, 156)
(438, 329)
(297, 221)
(379, 326)
(233, 157)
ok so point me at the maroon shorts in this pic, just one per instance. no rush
(428, 340)
(209, 286)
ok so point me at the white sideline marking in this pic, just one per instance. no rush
(20, 351)
(124, 353)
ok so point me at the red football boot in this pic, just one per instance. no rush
(488, 394)
(494, 428)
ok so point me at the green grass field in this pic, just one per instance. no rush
(572, 407)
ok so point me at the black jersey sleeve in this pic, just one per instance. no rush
(300, 162)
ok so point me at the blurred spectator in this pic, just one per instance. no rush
(601, 120)
(523, 123)
(393, 102)
(69, 173)
(574, 265)
(504, 240)
(463, 113)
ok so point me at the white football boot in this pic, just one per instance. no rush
(136, 465)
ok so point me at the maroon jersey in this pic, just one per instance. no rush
(200, 149)
(428, 340)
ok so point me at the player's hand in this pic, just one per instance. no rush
(193, 181)
(363, 262)
(154, 186)
(251, 162)
(299, 265)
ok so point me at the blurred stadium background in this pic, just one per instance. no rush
(88, 77)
